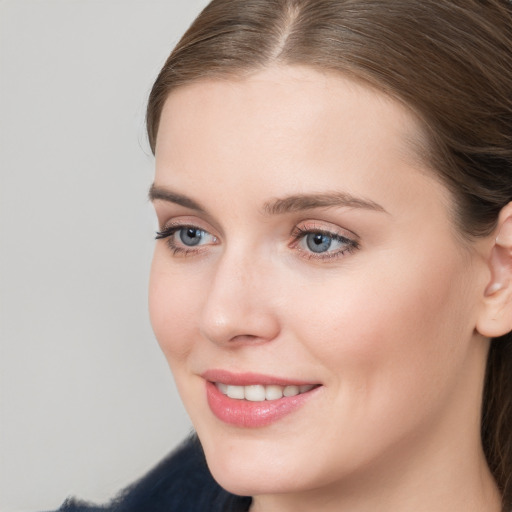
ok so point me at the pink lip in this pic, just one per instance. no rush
(249, 379)
(246, 414)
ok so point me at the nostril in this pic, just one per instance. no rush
(244, 338)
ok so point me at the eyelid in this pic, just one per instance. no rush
(170, 213)
(185, 221)
(327, 228)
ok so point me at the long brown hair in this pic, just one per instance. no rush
(450, 61)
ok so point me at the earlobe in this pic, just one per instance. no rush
(495, 318)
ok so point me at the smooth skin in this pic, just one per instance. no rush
(366, 289)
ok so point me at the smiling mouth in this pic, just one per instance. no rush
(253, 400)
(261, 393)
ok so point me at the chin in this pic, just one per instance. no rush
(250, 466)
(252, 478)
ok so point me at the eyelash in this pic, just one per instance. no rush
(298, 234)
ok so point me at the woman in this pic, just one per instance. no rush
(332, 278)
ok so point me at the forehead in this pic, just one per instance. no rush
(287, 125)
(282, 99)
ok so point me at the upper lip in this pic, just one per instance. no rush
(250, 379)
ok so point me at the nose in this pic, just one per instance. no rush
(239, 303)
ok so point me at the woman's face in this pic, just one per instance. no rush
(306, 249)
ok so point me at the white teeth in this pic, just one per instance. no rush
(273, 392)
(259, 393)
(255, 393)
(236, 392)
(291, 390)
(223, 388)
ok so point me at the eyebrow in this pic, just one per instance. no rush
(163, 194)
(302, 202)
(280, 206)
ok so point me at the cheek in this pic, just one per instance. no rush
(173, 308)
(399, 327)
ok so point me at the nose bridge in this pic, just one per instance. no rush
(238, 305)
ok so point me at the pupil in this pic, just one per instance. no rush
(190, 236)
(318, 243)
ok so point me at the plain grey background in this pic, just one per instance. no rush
(87, 402)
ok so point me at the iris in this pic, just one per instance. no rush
(191, 236)
(318, 242)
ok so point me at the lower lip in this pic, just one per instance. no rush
(247, 414)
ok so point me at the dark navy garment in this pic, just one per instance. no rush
(180, 483)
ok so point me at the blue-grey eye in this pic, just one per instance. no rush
(191, 236)
(318, 242)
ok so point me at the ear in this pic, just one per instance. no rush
(495, 318)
